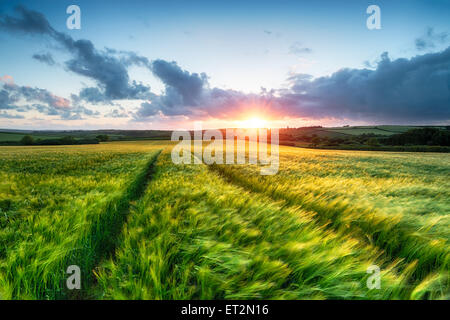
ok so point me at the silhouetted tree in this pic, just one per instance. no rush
(373, 142)
(102, 137)
(27, 140)
(68, 140)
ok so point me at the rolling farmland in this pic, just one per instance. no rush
(141, 227)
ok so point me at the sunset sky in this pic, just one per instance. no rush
(166, 64)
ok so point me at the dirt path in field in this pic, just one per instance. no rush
(113, 223)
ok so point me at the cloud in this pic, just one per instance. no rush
(187, 86)
(28, 22)
(271, 33)
(42, 101)
(401, 90)
(298, 49)
(430, 39)
(16, 92)
(6, 115)
(7, 79)
(75, 113)
(109, 72)
(6, 100)
(129, 58)
(119, 112)
(91, 94)
(183, 91)
(46, 58)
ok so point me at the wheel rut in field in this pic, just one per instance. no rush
(105, 231)
(427, 261)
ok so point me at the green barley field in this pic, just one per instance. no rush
(141, 227)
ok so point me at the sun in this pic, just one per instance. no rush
(254, 123)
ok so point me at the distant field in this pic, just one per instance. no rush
(133, 135)
(223, 231)
(339, 132)
(7, 136)
(377, 130)
(130, 135)
(358, 131)
(16, 136)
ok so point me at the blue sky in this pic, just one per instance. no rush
(241, 47)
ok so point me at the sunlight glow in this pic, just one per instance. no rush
(254, 123)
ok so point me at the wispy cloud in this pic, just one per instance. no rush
(46, 58)
(431, 39)
(297, 48)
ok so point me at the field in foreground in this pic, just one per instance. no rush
(222, 232)
(63, 206)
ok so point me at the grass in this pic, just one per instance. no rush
(62, 206)
(222, 231)
(398, 202)
(195, 236)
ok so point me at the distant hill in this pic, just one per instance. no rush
(340, 132)
(381, 137)
(8, 135)
(350, 136)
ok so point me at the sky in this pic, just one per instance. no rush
(168, 64)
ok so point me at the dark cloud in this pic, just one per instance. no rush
(7, 100)
(44, 58)
(186, 86)
(28, 22)
(368, 64)
(109, 72)
(298, 49)
(184, 91)
(129, 58)
(430, 39)
(92, 95)
(402, 90)
(150, 109)
(181, 86)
